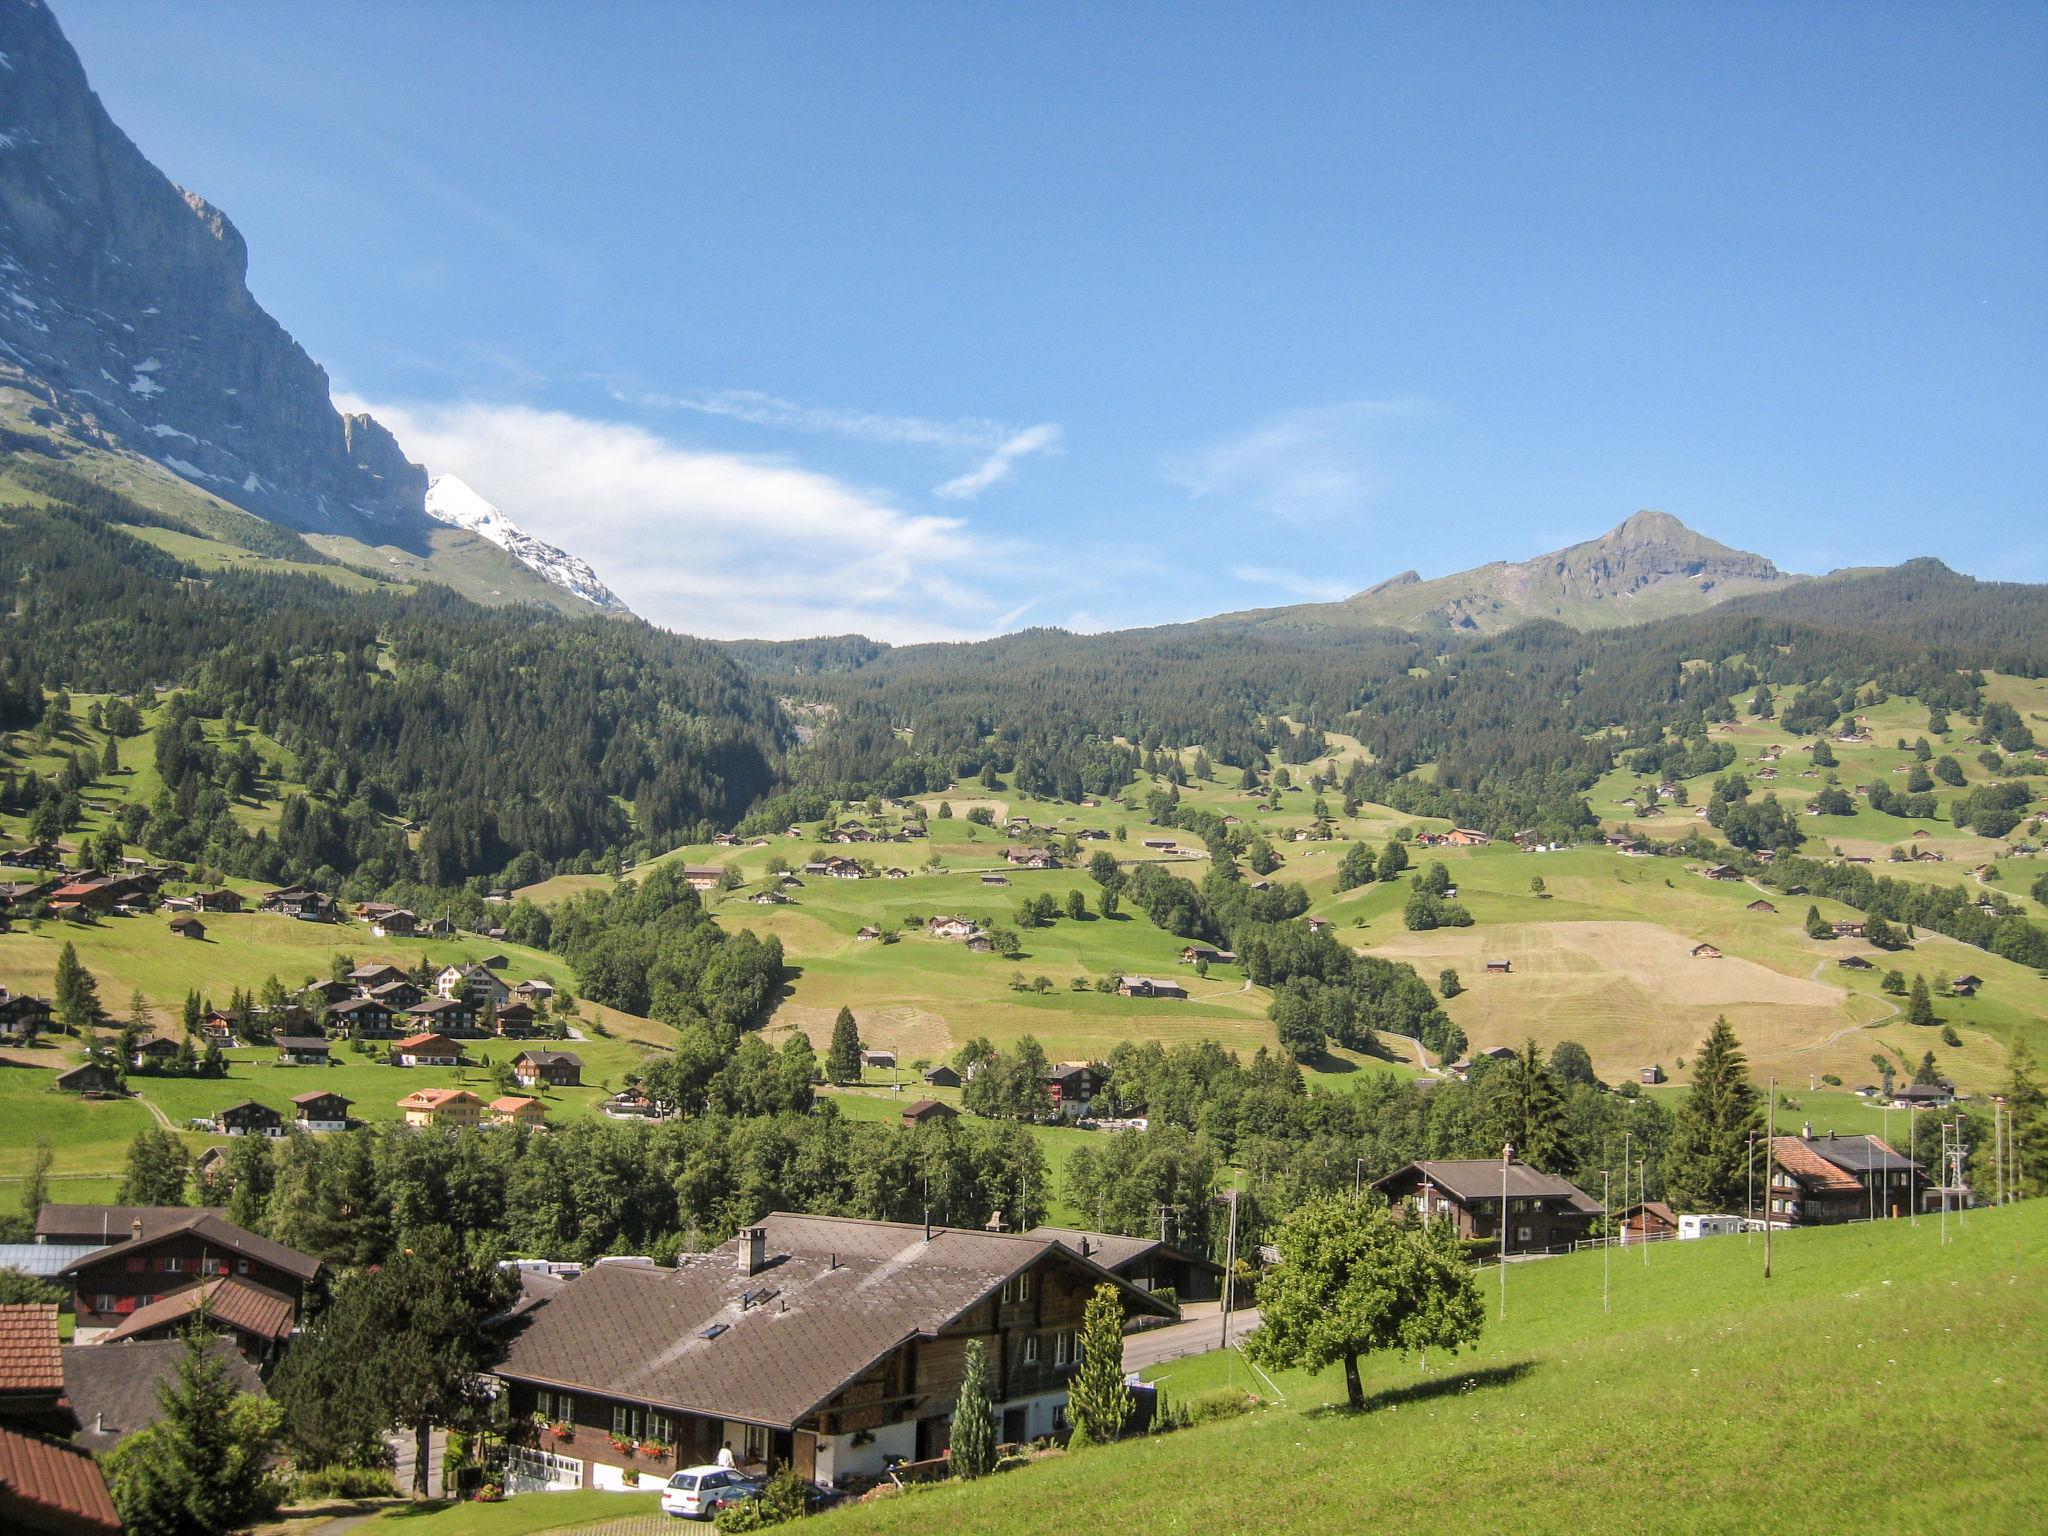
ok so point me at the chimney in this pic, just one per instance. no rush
(753, 1250)
(99, 1423)
(1831, 1135)
(1806, 1131)
(1084, 1247)
(135, 1230)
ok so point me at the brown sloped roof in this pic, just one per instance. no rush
(113, 1389)
(50, 1488)
(161, 1221)
(29, 1361)
(1809, 1167)
(1113, 1251)
(1479, 1178)
(844, 1293)
(231, 1300)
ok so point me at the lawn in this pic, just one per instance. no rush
(1879, 1381)
(512, 1517)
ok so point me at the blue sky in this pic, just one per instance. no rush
(937, 320)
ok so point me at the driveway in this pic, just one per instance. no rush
(1194, 1336)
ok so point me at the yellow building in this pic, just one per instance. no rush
(442, 1106)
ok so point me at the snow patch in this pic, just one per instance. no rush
(142, 384)
(165, 429)
(452, 501)
(189, 471)
(147, 365)
(254, 483)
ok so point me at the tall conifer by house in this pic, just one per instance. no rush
(1098, 1403)
(1527, 1107)
(973, 1441)
(1707, 1161)
(842, 1056)
(78, 997)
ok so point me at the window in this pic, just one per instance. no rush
(1009, 1289)
(1024, 1287)
(661, 1427)
(1031, 1349)
(1525, 1234)
(757, 1443)
(627, 1423)
(173, 1264)
(241, 1266)
(1059, 1349)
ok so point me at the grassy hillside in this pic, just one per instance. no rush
(1879, 1381)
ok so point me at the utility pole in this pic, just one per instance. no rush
(1507, 1155)
(1624, 1188)
(1944, 1181)
(1770, 1141)
(1606, 1246)
(1230, 1270)
(1913, 1172)
(1643, 1186)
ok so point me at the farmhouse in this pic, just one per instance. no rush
(426, 1051)
(1149, 986)
(150, 1251)
(89, 1078)
(928, 1112)
(376, 974)
(1722, 872)
(941, 1076)
(318, 1111)
(866, 935)
(1855, 963)
(301, 1050)
(994, 879)
(21, 1014)
(950, 928)
(1197, 954)
(885, 1060)
(475, 983)
(441, 1106)
(297, 901)
(1318, 925)
(256, 1318)
(1467, 837)
(188, 927)
(1151, 1264)
(1648, 1221)
(703, 877)
(395, 924)
(249, 1118)
(535, 992)
(360, 1018)
(516, 1021)
(1820, 1180)
(824, 1344)
(557, 1069)
(516, 1109)
(1031, 858)
(1543, 1212)
(1924, 1096)
(156, 1051)
(449, 1015)
(1072, 1086)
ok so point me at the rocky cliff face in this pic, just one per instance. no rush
(125, 312)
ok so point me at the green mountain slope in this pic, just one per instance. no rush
(1649, 567)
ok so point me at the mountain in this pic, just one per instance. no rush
(133, 355)
(453, 501)
(1649, 567)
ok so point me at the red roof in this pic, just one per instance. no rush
(416, 1043)
(1809, 1167)
(50, 1488)
(30, 1360)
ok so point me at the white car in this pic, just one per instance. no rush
(698, 1493)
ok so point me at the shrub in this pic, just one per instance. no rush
(1219, 1403)
(342, 1483)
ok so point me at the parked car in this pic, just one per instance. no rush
(698, 1493)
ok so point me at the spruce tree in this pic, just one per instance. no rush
(203, 1467)
(2026, 1112)
(974, 1422)
(78, 996)
(1919, 1006)
(842, 1057)
(1098, 1403)
(1526, 1108)
(1706, 1163)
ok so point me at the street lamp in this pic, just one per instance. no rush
(1507, 1155)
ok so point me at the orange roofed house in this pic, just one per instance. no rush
(442, 1106)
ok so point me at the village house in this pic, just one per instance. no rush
(377, 973)
(1760, 905)
(1850, 930)
(866, 935)
(1855, 963)
(881, 1060)
(1543, 1212)
(1072, 1086)
(257, 1320)
(155, 1053)
(981, 943)
(217, 1029)
(1647, 1221)
(360, 1018)
(1161, 845)
(133, 1256)
(1649, 1077)
(431, 1107)
(299, 902)
(941, 1076)
(1822, 1180)
(249, 1118)
(456, 1016)
(703, 877)
(476, 983)
(301, 1050)
(47, 1487)
(1318, 924)
(1467, 837)
(319, 1111)
(395, 924)
(950, 928)
(398, 996)
(1199, 954)
(32, 1398)
(994, 879)
(188, 927)
(825, 1344)
(1031, 858)
(89, 1078)
(534, 992)
(555, 1069)
(1722, 872)
(1149, 986)
(427, 1050)
(1923, 1096)
(1149, 1263)
(928, 1112)
(22, 1014)
(516, 1109)
(516, 1021)
(1965, 985)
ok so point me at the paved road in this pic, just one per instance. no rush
(1195, 1336)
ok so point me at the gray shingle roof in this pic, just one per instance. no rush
(112, 1387)
(116, 1222)
(1479, 1178)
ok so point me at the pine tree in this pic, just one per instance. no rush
(1098, 1402)
(78, 996)
(842, 1056)
(155, 1172)
(1919, 1005)
(2026, 1112)
(1707, 1159)
(1817, 927)
(203, 1467)
(1526, 1108)
(110, 760)
(973, 1438)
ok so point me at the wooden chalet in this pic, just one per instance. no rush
(149, 1252)
(156, 1052)
(928, 1112)
(557, 1069)
(1822, 1180)
(361, 1018)
(941, 1076)
(1149, 1263)
(22, 1015)
(302, 1050)
(426, 1050)
(1072, 1086)
(516, 1021)
(825, 1344)
(703, 877)
(249, 1118)
(188, 926)
(1647, 1220)
(435, 1107)
(258, 1319)
(445, 1015)
(320, 1111)
(1149, 986)
(516, 1109)
(90, 1078)
(1543, 1212)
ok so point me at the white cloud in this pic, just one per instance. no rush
(1002, 444)
(714, 544)
(1043, 438)
(1307, 588)
(1301, 467)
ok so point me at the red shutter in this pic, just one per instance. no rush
(137, 1264)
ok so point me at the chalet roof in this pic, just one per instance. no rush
(414, 1043)
(231, 1300)
(318, 1095)
(113, 1391)
(511, 1104)
(300, 1042)
(1799, 1158)
(436, 1098)
(116, 1222)
(924, 1107)
(1479, 1178)
(1859, 1154)
(1113, 1251)
(29, 1361)
(835, 1296)
(261, 1109)
(45, 1486)
(550, 1058)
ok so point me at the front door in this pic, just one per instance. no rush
(933, 1436)
(1016, 1422)
(804, 1455)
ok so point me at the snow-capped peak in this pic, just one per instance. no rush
(452, 501)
